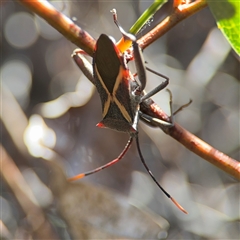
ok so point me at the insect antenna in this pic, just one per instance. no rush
(182, 107)
(82, 175)
(154, 179)
(124, 33)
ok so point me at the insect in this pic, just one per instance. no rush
(121, 94)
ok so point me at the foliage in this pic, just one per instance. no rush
(227, 15)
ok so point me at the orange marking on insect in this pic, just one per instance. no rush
(178, 205)
(100, 125)
(79, 176)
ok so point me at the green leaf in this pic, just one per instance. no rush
(148, 13)
(227, 15)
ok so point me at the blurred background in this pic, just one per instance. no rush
(49, 116)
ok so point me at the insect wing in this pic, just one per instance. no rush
(113, 84)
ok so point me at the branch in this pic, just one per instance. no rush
(40, 227)
(83, 40)
(206, 151)
(62, 24)
(193, 143)
(180, 12)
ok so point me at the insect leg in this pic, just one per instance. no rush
(82, 175)
(137, 53)
(156, 121)
(83, 64)
(154, 179)
(158, 88)
(182, 107)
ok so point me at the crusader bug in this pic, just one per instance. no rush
(120, 94)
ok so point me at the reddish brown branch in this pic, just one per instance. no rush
(193, 143)
(61, 23)
(41, 228)
(205, 151)
(180, 13)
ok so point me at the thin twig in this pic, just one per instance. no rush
(41, 228)
(62, 24)
(180, 13)
(193, 143)
(205, 151)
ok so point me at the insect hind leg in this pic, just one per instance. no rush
(155, 180)
(122, 154)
